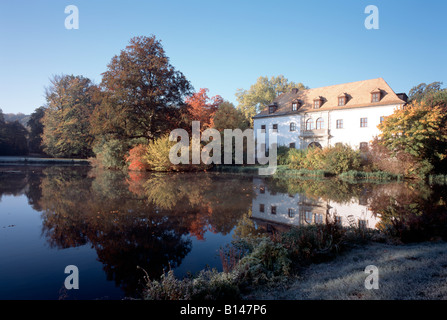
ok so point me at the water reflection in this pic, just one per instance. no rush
(152, 220)
(279, 210)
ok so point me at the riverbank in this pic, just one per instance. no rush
(23, 160)
(406, 272)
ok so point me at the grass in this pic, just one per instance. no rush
(368, 176)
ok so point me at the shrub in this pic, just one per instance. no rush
(341, 159)
(332, 159)
(207, 285)
(135, 159)
(266, 260)
(110, 153)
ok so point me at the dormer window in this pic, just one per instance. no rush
(375, 95)
(318, 102)
(272, 108)
(342, 99)
(295, 105)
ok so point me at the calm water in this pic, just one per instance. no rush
(109, 223)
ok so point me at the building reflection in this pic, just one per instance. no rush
(277, 211)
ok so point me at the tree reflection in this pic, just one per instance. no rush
(138, 220)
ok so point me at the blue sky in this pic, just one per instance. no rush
(224, 45)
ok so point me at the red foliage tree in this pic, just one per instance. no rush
(202, 108)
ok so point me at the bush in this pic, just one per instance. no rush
(332, 159)
(157, 157)
(266, 260)
(135, 159)
(207, 285)
(110, 153)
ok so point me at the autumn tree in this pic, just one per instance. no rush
(201, 107)
(143, 92)
(419, 130)
(262, 93)
(66, 122)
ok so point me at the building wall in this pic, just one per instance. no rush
(351, 133)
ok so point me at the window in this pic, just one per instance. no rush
(363, 224)
(317, 104)
(318, 218)
(338, 220)
(273, 210)
(381, 119)
(263, 128)
(261, 189)
(308, 216)
(363, 146)
(261, 207)
(375, 97)
(275, 128)
(309, 125)
(292, 145)
(320, 123)
(294, 106)
(341, 101)
(292, 126)
(363, 122)
(339, 124)
(291, 213)
(271, 109)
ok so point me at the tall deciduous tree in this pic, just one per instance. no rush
(143, 93)
(202, 108)
(66, 122)
(262, 93)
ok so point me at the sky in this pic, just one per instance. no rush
(224, 45)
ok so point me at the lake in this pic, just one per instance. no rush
(109, 224)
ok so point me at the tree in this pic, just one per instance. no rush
(13, 137)
(431, 94)
(262, 93)
(36, 130)
(144, 93)
(202, 108)
(228, 117)
(66, 122)
(417, 129)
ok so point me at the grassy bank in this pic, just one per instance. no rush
(259, 261)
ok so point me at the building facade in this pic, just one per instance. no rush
(347, 113)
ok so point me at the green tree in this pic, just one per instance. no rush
(144, 93)
(70, 102)
(228, 117)
(36, 130)
(262, 93)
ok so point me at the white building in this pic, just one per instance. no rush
(346, 113)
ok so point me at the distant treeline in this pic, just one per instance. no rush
(20, 133)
